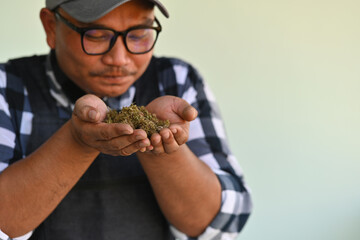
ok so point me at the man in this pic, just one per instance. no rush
(65, 174)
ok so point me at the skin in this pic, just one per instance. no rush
(188, 192)
(105, 75)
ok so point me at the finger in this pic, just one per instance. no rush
(125, 145)
(120, 141)
(133, 148)
(90, 108)
(106, 132)
(169, 143)
(179, 134)
(143, 149)
(156, 143)
(149, 148)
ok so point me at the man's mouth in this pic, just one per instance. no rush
(113, 73)
(114, 76)
(114, 79)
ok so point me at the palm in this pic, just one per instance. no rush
(171, 108)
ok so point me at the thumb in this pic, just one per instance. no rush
(186, 111)
(90, 108)
(190, 113)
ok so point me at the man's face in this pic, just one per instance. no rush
(110, 74)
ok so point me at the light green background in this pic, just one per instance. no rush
(286, 74)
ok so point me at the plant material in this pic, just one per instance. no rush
(138, 118)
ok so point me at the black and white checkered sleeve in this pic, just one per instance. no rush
(14, 127)
(208, 141)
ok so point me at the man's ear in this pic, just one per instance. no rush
(49, 23)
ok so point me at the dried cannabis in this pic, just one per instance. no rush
(138, 118)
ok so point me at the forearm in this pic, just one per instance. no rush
(32, 187)
(186, 189)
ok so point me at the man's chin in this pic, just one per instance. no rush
(111, 93)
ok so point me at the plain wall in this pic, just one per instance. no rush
(286, 75)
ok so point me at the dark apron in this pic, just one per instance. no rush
(113, 199)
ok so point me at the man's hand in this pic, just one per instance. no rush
(180, 113)
(115, 139)
(179, 179)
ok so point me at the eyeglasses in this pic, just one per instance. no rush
(97, 40)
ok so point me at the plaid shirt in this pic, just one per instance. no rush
(207, 138)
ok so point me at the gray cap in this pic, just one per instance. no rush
(91, 10)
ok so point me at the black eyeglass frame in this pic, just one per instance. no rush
(123, 34)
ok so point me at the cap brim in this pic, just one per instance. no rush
(93, 10)
(161, 7)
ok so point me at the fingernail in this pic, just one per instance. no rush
(128, 132)
(139, 137)
(93, 114)
(156, 140)
(142, 145)
(166, 135)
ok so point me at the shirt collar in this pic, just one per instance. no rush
(70, 89)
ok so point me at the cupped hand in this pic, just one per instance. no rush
(115, 139)
(179, 113)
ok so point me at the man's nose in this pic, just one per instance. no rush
(118, 55)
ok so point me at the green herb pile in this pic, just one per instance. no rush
(138, 118)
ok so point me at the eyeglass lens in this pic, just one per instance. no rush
(97, 41)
